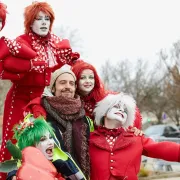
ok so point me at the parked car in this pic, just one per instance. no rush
(162, 130)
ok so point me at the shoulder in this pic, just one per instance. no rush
(24, 38)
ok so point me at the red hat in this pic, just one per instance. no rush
(3, 12)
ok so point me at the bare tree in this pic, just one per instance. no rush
(136, 79)
(172, 64)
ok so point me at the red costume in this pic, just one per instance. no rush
(98, 93)
(29, 68)
(122, 162)
(115, 153)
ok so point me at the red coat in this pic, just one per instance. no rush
(29, 77)
(123, 161)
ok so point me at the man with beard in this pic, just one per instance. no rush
(64, 110)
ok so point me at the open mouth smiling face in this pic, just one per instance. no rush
(118, 112)
(46, 145)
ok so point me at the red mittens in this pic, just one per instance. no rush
(34, 107)
(38, 110)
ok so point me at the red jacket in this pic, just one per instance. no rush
(29, 67)
(123, 162)
(21, 67)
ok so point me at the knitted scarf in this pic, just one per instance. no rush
(89, 105)
(69, 113)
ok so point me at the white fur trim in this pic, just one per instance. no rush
(47, 92)
(109, 101)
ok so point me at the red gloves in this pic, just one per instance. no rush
(75, 56)
(35, 108)
(38, 110)
(66, 54)
(38, 65)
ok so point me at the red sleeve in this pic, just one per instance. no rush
(65, 54)
(7, 75)
(35, 108)
(4, 50)
(36, 101)
(16, 65)
(138, 119)
(11, 76)
(168, 151)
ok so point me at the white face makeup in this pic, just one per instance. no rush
(46, 146)
(118, 112)
(86, 82)
(41, 24)
(0, 24)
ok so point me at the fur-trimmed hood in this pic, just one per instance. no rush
(109, 101)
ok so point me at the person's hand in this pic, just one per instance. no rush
(38, 110)
(75, 56)
(137, 132)
(38, 65)
(14, 178)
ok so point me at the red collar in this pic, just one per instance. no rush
(40, 39)
(112, 132)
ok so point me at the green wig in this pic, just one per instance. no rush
(32, 132)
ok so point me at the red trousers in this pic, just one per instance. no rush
(16, 99)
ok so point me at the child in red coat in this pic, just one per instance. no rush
(116, 153)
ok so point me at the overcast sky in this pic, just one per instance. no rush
(115, 29)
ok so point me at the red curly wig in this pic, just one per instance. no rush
(3, 13)
(98, 92)
(31, 12)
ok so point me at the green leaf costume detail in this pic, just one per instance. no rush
(8, 166)
(14, 150)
